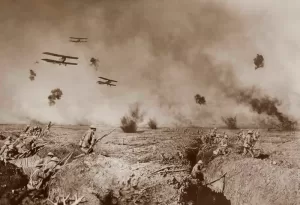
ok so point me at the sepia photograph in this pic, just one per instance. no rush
(149, 102)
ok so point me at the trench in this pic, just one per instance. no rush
(202, 195)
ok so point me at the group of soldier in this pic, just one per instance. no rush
(248, 139)
(196, 177)
(45, 168)
(23, 146)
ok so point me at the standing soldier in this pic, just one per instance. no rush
(224, 144)
(87, 140)
(248, 147)
(36, 178)
(213, 135)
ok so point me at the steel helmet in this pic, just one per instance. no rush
(54, 159)
(200, 162)
(50, 154)
(93, 127)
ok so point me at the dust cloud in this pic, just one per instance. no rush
(161, 53)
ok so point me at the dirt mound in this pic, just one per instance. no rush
(61, 151)
(254, 181)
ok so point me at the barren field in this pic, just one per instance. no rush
(129, 165)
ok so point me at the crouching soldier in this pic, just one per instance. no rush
(87, 140)
(52, 166)
(46, 160)
(197, 172)
(36, 178)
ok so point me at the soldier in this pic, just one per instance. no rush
(213, 135)
(52, 165)
(241, 135)
(224, 144)
(45, 160)
(87, 140)
(248, 146)
(197, 172)
(9, 153)
(36, 178)
(9, 139)
(3, 149)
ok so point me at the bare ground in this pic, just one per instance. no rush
(126, 164)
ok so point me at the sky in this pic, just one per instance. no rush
(161, 52)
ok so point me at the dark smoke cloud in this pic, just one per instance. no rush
(263, 104)
(162, 53)
(56, 94)
(200, 99)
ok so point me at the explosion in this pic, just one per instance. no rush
(55, 95)
(200, 99)
(265, 105)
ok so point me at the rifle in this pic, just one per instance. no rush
(97, 140)
(45, 180)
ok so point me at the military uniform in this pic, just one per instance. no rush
(51, 166)
(213, 135)
(197, 172)
(224, 144)
(248, 144)
(9, 153)
(87, 140)
(45, 160)
(36, 178)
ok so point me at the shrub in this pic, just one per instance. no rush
(152, 124)
(230, 122)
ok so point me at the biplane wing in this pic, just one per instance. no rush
(58, 55)
(111, 84)
(108, 79)
(78, 38)
(57, 62)
(78, 41)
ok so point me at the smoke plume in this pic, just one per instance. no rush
(162, 52)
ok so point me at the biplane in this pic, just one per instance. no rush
(78, 40)
(108, 81)
(62, 60)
